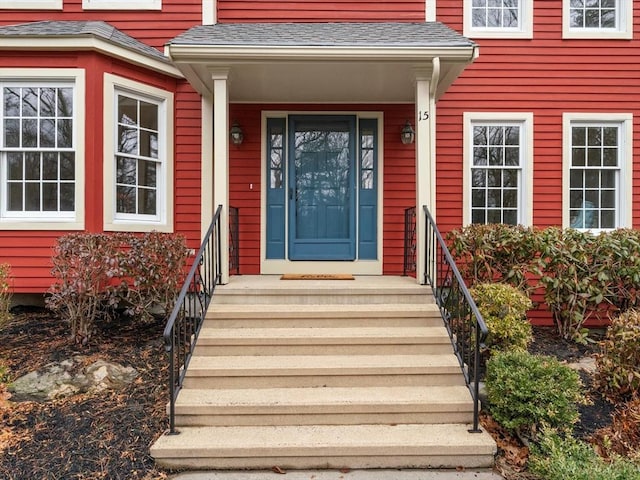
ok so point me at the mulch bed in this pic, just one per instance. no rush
(90, 436)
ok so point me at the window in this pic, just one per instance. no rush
(122, 4)
(598, 19)
(40, 154)
(498, 18)
(138, 176)
(31, 4)
(498, 165)
(596, 167)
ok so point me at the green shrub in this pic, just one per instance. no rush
(504, 309)
(527, 392)
(5, 292)
(494, 253)
(558, 458)
(618, 366)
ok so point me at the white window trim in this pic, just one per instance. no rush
(625, 196)
(122, 4)
(525, 211)
(77, 77)
(624, 30)
(31, 5)
(525, 30)
(112, 85)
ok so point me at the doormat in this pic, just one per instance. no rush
(317, 276)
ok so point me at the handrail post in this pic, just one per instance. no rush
(465, 325)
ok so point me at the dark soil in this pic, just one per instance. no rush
(91, 436)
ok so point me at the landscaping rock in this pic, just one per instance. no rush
(66, 378)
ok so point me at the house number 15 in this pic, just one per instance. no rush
(423, 116)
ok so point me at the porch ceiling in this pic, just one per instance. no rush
(340, 62)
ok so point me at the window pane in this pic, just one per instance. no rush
(12, 133)
(512, 156)
(67, 197)
(125, 199)
(608, 219)
(146, 201)
(127, 140)
(65, 102)
(576, 178)
(367, 159)
(496, 156)
(478, 216)
(47, 133)
(494, 198)
(148, 116)
(127, 110)
(147, 174)
(29, 133)
(32, 197)
(510, 199)
(67, 166)
(11, 107)
(510, 217)
(608, 179)
(148, 144)
(579, 157)
(510, 178)
(29, 102)
(49, 166)
(14, 170)
(126, 171)
(15, 197)
(494, 216)
(592, 179)
(276, 178)
(480, 155)
(608, 199)
(594, 157)
(479, 177)
(49, 197)
(32, 166)
(65, 133)
(494, 178)
(48, 102)
(367, 180)
(478, 198)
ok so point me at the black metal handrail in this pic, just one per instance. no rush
(467, 330)
(409, 241)
(187, 317)
(234, 240)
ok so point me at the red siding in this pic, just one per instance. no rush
(320, 11)
(154, 28)
(399, 178)
(547, 76)
(29, 252)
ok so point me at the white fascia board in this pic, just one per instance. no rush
(88, 43)
(238, 53)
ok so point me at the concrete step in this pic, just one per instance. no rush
(290, 371)
(324, 406)
(323, 341)
(325, 446)
(266, 289)
(268, 315)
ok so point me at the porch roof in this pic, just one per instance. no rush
(321, 62)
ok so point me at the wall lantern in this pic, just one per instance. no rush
(407, 135)
(236, 134)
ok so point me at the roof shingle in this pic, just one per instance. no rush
(397, 34)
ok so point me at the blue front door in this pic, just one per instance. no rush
(322, 196)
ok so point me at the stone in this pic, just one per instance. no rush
(66, 378)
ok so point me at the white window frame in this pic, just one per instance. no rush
(31, 4)
(623, 30)
(122, 4)
(163, 220)
(51, 220)
(525, 197)
(525, 29)
(624, 213)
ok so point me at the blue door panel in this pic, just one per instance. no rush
(368, 184)
(276, 188)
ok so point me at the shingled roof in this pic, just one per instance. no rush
(429, 34)
(66, 29)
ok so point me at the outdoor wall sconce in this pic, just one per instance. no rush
(236, 134)
(407, 135)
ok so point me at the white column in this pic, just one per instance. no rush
(425, 163)
(221, 161)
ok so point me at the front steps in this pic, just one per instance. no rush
(323, 374)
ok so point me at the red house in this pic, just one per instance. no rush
(321, 122)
